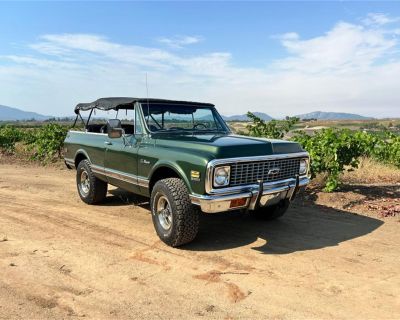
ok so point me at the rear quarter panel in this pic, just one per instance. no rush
(90, 144)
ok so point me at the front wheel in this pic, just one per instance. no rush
(273, 212)
(175, 218)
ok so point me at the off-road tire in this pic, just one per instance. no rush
(273, 212)
(185, 216)
(97, 188)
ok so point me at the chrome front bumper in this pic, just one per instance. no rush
(272, 193)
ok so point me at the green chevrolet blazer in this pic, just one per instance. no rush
(184, 157)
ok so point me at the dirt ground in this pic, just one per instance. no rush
(60, 258)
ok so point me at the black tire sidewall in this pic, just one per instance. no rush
(158, 191)
(185, 216)
(90, 196)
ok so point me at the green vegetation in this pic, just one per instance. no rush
(47, 141)
(275, 129)
(334, 150)
(44, 142)
(9, 136)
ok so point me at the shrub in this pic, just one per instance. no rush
(9, 136)
(47, 141)
(275, 129)
(387, 149)
(334, 150)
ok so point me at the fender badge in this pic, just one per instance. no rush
(144, 161)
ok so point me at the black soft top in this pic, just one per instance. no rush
(115, 103)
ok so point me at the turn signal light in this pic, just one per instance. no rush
(238, 202)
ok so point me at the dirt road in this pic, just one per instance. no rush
(60, 258)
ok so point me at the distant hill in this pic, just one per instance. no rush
(12, 114)
(243, 117)
(320, 115)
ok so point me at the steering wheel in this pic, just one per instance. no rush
(199, 125)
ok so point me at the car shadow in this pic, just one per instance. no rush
(119, 197)
(302, 228)
(305, 226)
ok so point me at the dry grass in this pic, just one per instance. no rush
(369, 172)
(372, 172)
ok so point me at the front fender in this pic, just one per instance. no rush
(173, 166)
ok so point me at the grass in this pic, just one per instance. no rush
(372, 172)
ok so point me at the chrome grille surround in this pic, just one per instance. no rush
(244, 173)
(249, 160)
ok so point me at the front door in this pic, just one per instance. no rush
(121, 161)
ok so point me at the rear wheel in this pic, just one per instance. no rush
(175, 218)
(91, 189)
(273, 212)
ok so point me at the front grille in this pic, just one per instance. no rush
(251, 172)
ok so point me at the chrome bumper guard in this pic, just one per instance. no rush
(262, 195)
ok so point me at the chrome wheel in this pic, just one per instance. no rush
(164, 212)
(85, 182)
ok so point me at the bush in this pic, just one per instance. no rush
(275, 129)
(387, 149)
(334, 150)
(47, 141)
(9, 136)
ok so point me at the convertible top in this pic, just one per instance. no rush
(115, 103)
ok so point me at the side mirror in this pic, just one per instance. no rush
(114, 128)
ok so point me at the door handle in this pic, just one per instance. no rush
(108, 143)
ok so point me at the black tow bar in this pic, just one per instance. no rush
(296, 188)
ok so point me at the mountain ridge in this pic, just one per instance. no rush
(322, 115)
(243, 117)
(14, 114)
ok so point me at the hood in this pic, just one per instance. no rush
(226, 145)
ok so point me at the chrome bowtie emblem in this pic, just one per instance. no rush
(274, 171)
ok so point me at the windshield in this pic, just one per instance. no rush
(170, 117)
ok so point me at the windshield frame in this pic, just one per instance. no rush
(216, 115)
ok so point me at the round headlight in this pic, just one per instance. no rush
(221, 176)
(303, 166)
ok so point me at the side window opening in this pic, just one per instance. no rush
(99, 118)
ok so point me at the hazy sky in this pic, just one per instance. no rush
(281, 58)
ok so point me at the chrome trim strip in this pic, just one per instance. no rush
(126, 177)
(70, 162)
(97, 169)
(143, 182)
(213, 163)
(98, 134)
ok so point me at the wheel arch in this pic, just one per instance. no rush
(167, 170)
(79, 156)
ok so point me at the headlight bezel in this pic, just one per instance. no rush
(222, 169)
(305, 162)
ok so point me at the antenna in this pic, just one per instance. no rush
(147, 95)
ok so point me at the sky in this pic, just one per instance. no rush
(281, 58)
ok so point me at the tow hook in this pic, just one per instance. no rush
(296, 188)
(260, 193)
